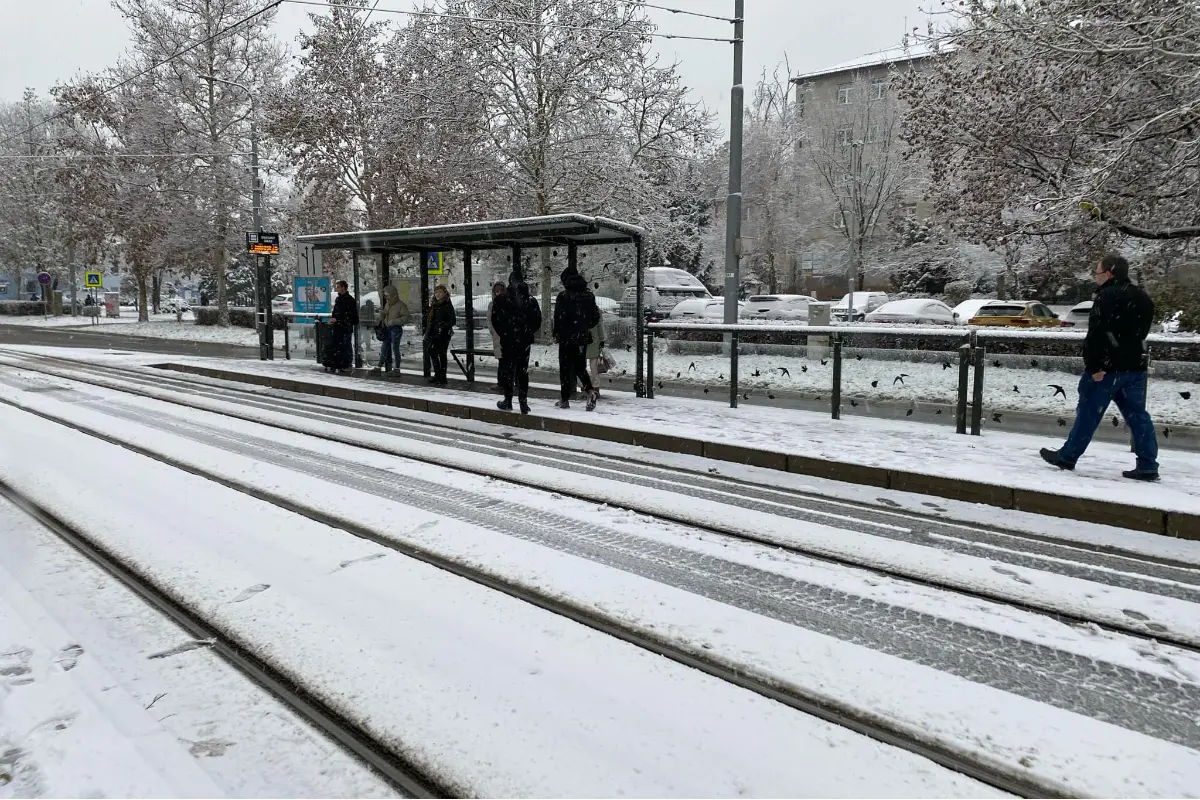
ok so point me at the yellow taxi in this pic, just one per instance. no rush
(1015, 314)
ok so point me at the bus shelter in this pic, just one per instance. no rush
(569, 231)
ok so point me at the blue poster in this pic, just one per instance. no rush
(311, 295)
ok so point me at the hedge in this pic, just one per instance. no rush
(238, 317)
(21, 308)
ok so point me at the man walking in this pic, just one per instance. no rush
(575, 314)
(517, 318)
(1115, 362)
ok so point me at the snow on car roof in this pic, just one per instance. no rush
(909, 305)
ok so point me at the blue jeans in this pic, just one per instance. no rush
(1128, 391)
(390, 355)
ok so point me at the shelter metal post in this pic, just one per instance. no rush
(358, 360)
(734, 344)
(835, 398)
(470, 302)
(639, 384)
(649, 364)
(519, 270)
(977, 392)
(423, 269)
(964, 374)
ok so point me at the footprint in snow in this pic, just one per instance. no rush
(14, 666)
(253, 590)
(883, 501)
(1008, 573)
(354, 561)
(69, 656)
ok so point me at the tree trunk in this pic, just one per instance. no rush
(218, 269)
(143, 295)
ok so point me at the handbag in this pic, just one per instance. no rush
(607, 362)
(381, 332)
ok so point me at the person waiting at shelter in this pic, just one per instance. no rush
(518, 318)
(342, 322)
(575, 314)
(439, 328)
(497, 292)
(392, 321)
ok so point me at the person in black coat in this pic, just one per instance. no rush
(575, 314)
(1115, 362)
(342, 320)
(517, 318)
(439, 328)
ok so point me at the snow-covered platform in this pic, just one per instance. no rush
(997, 469)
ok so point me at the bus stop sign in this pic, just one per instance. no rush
(262, 243)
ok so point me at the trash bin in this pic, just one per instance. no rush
(322, 338)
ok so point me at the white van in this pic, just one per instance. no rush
(665, 287)
(864, 303)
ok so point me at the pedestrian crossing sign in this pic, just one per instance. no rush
(93, 280)
(435, 263)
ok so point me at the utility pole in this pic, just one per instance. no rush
(855, 224)
(733, 204)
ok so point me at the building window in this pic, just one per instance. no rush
(872, 134)
(879, 87)
(844, 136)
(845, 92)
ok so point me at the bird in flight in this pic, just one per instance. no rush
(1058, 390)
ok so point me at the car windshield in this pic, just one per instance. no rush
(1000, 311)
(764, 299)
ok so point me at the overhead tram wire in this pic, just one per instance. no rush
(730, 20)
(441, 15)
(148, 70)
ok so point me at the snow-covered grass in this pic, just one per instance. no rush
(166, 327)
(66, 321)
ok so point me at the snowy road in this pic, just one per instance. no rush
(1077, 707)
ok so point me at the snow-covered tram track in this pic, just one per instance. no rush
(1180, 582)
(342, 473)
(403, 777)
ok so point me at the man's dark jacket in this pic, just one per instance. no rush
(1117, 328)
(575, 310)
(345, 310)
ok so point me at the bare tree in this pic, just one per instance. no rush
(853, 171)
(1041, 116)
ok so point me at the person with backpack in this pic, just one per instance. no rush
(575, 314)
(518, 318)
(392, 321)
(439, 329)
(1115, 363)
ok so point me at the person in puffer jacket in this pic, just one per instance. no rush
(575, 314)
(395, 317)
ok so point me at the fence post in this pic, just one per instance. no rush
(964, 374)
(287, 342)
(836, 396)
(649, 365)
(734, 339)
(977, 391)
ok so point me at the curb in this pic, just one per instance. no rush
(1139, 518)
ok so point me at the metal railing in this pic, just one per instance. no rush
(971, 353)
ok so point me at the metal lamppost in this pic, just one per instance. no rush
(733, 204)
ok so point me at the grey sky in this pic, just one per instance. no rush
(47, 41)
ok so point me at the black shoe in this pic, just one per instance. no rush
(592, 396)
(504, 405)
(1140, 475)
(524, 406)
(564, 404)
(1052, 457)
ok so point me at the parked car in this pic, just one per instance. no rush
(282, 302)
(864, 303)
(969, 308)
(176, 305)
(663, 289)
(1016, 314)
(700, 310)
(777, 307)
(914, 311)
(1172, 324)
(1077, 317)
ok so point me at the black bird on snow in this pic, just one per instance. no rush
(996, 363)
(803, 368)
(757, 374)
(706, 390)
(875, 384)
(858, 357)
(1058, 390)
(660, 385)
(854, 403)
(772, 397)
(1166, 433)
(537, 363)
(996, 416)
(1186, 395)
(784, 371)
(1016, 389)
(692, 367)
(945, 365)
(1062, 423)
(1033, 363)
(628, 348)
(900, 379)
(1116, 422)
(938, 411)
(908, 413)
(746, 396)
(678, 374)
(824, 361)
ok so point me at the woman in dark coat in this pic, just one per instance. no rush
(439, 327)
